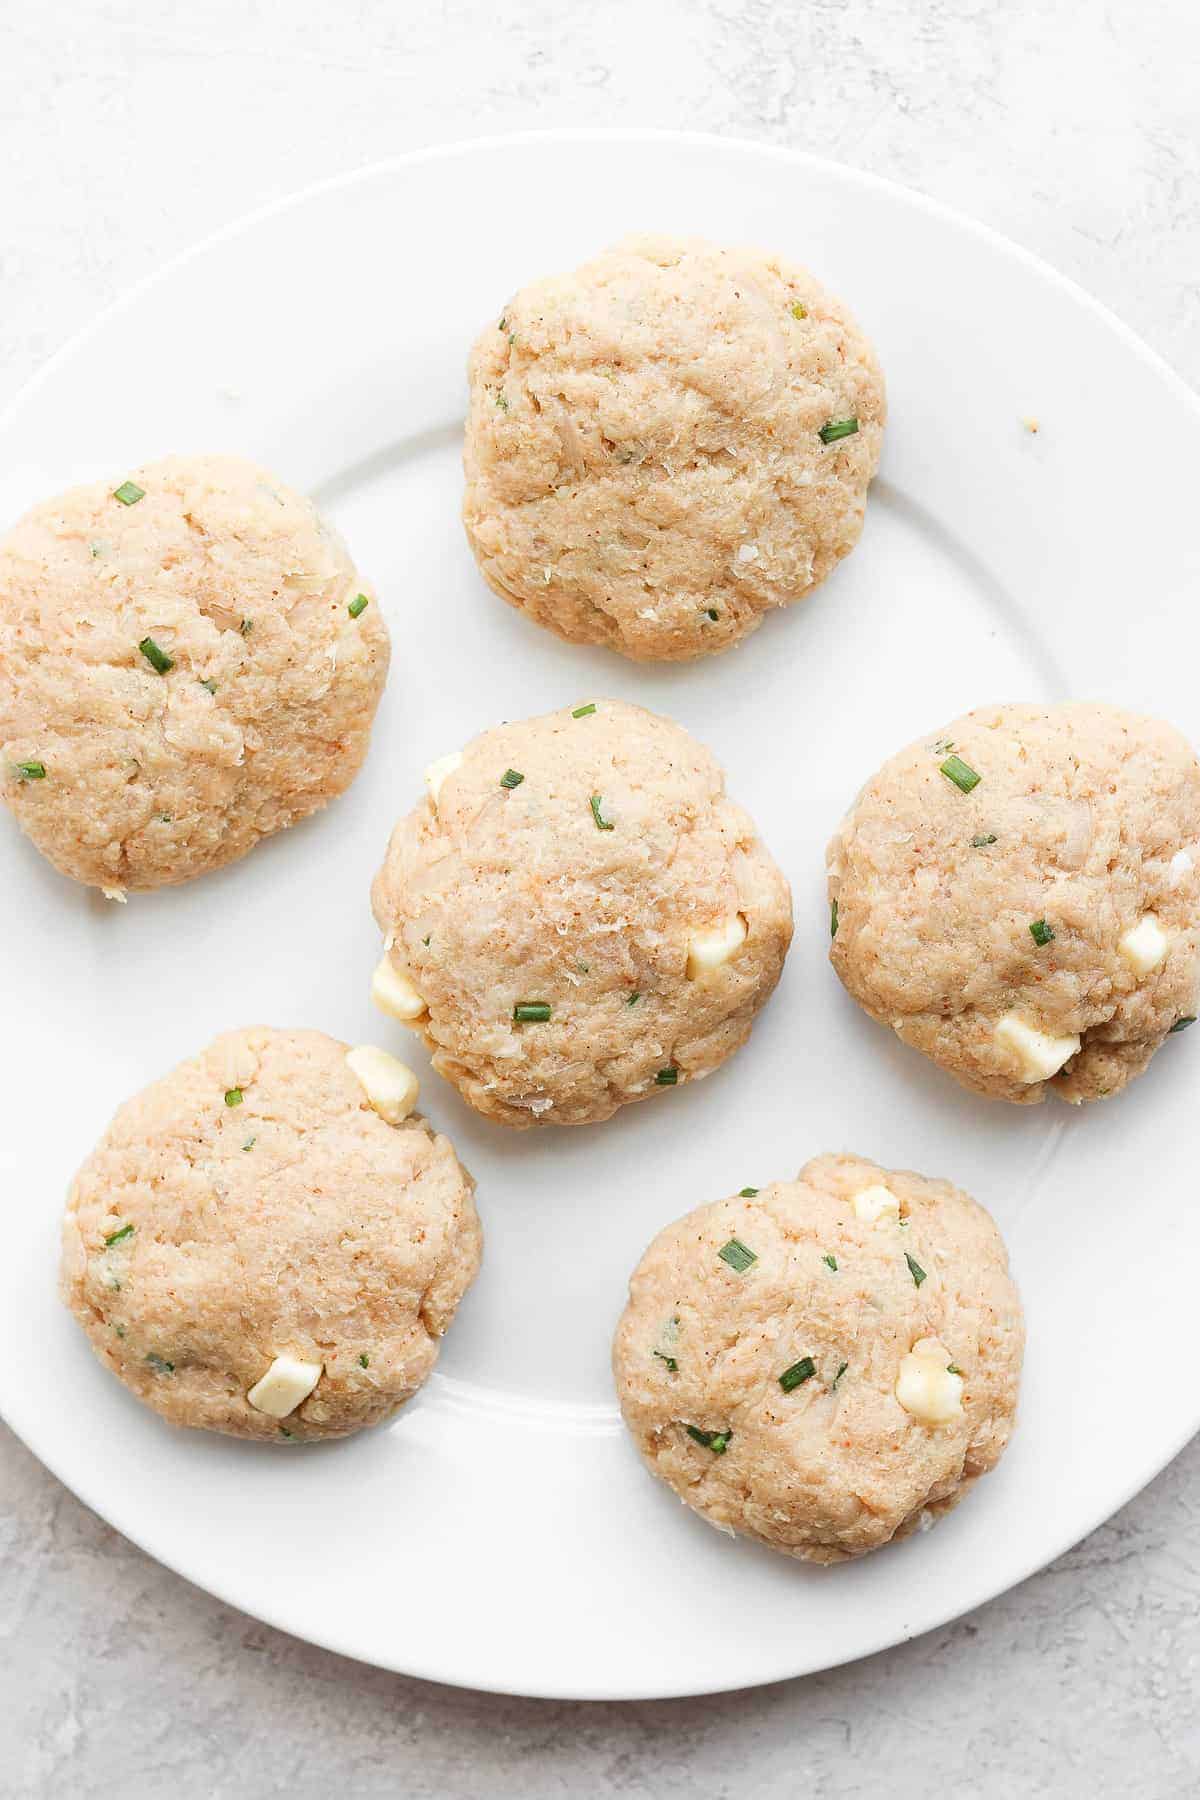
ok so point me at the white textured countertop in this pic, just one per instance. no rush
(129, 130)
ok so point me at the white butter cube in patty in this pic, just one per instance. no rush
(394, 994)
(286, 1383)
(440, 771)
(708, 950)
(1038, 1055)
(1145, 946)
(389, 1085)
(875, 1203)
(925, 1387)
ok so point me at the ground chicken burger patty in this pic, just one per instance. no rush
(268, 1242)
(667, 443)
(576, 915)
(824, 1364)
(188, 662)
(1018, 897)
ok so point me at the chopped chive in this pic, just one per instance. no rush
(117, 1237)
(511, 778)
(841, 1371)
(831, 1262)
(914, 1269)
(960, 773)
(160, 1364)
(942, 746)
(668, 1077)
(1182, 1024)
(250, 1143)
(502, 400)
(633, 999)
(981, 843)
(837, 428)
(747, 1193)
(531, 1012)
(120, 1330)
(158, 659)
(799, 310)
(129, 493)
(581, 712)
(800, 1371)
(233, 1096)
(713, 614)
(736, 1254)
(672, 1365)
(601, 823)
(359, 604)
(286, 1432)
(31, 771)
(711, 1440)
(425, 940)
(833, 918)
(953, 1369)
(364, 1360)
(1040, 932)
(503, 325)
(246, 627)
(210, 685)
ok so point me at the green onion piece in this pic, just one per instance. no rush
(668, 1077)
(841, 1371)
(364, 1360)
(581, 712)
(1040, 932)
(503, 325)
(711, 1440)
(1182, 1024)
(830, 1261)
(747, 1193)
(502, 400)
(120, 1330)
(736, 1254)
(246, 627)
(672, 1365)
(942, 746)
(210, 685)
(286, 1432)
(129, 493)
(359, 604)
(602, 824)
(981, 843)
(914, 1269)
(953, 1369)
(511, 778)
(117, 1237)
(250, 1143)
(800, 1371)
(713, 614)
(833, 918)
(158, 659)
(799, 310)
(633, 999)
(837, 428)
(531, 1012)
(160, 1364)
(960, 773)
(31, 771)
(233, 1096)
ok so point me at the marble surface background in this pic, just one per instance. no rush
(129, 130)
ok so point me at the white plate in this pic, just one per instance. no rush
(502, 1533)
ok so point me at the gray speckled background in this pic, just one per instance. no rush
(127, 130)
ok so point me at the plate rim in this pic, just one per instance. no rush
(898, 192)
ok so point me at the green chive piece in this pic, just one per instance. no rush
(503, 325)
(837, 428)
(1182, 1024)
(799, 310)
(747, 1193)
(715, 1441)
(1040, 932)
(118, 1237)
(511, 778)
(981, 843)
(831, 1262)
(736, 1254)
(914, 1269)
(250, 1143)
(713, 614)
(502, 400)
(359, 604)
(800, 1371)
(120, 1330)
(246, 627)
(129, 493)
(841, 1371)
(425, 940)
(633, 999)
(953, 1369)
(942, 746)
(531, 1012)
(672, 1365)
(210, 685)
(668, 1077)
(960, 773)
(601, 824)
(234, 1096)
(364, 1361)
(581, 712)
(833, 918)
(158, 659)
(159, 1364)
(286, 1432)
(31, 771)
